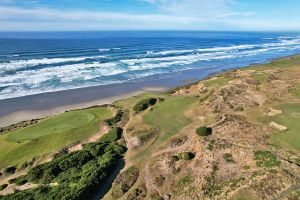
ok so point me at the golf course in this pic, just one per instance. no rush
(50, 134)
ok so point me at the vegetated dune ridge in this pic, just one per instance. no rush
(231, 136)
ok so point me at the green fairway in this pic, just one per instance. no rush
(50, 134)
(169, 117)
(216, 82)
(296, 91)
(289, 118)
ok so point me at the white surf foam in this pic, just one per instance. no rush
(109, 49)
(20, 64)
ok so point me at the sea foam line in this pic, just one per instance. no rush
(20, 64)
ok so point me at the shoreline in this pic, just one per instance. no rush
(14, 110)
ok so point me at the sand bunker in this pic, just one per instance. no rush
(273, 112)
(278, 126)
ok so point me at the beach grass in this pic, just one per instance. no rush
(50, 134)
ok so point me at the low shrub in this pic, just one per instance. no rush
(266, 159)
(159, 180)
(9, 170)
(124, 182)
(144, 104)
(186, 155)
(137, 193)
(204, 131)
(2, 187)
(228, 157)
(211, 144)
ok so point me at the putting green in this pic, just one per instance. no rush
(50, 134)
(59, 124)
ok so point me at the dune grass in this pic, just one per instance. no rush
(244, 195)
(50, 134)
(289, 118)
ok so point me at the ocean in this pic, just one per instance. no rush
(39, 62)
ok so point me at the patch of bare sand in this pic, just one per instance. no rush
(278, 126)
(273, 112)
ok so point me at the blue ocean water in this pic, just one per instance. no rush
(32, 63)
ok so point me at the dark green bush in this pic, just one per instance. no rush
(112, 135)
(96, 148)
(36, 173)
(186, 155)
(204, 131)
(76, 159)
(9, 170)
(2, 187)
(144, 104)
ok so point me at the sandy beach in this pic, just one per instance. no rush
(18, 109)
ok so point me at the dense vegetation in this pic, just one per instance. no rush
(144, 104)
(186, 155)
(204, 131)
(77, 174)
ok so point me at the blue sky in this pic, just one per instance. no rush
(229, 15)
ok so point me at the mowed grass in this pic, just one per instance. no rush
(289, 118)
(296, 91)
(169, 117)
(50, 134)
(217, 81)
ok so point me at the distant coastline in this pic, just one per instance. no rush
(18, 109)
